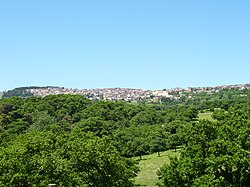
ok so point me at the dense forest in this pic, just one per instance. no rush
(72, 141)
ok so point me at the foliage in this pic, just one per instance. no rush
(72, 141)
(76, 159)
(21, 92)
(217, 154)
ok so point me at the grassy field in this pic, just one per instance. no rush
(205, 115)
(149, 165)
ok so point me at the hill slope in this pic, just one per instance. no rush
(149, 165)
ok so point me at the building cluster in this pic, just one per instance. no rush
(128, 94)
(218, 88)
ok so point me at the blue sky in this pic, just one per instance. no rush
(127, 43)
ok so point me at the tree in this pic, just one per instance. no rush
(217, 154)
(38, 158)
(42, 121)
(96, 125)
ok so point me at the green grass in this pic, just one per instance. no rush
(149, 165)
(205, 115)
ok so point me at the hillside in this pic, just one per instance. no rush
(73, 141)
(150, 165)
(40, 135)
(23, 91)
(138, 95)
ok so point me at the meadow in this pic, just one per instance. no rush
(150, 164)
(205, 116)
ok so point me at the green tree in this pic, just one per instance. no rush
(216, 154)
(38, 158)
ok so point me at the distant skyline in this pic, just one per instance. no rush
(129, 44)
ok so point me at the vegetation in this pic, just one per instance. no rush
(22, 91)
(217, 152)
(17, 92)
(150, 165)
(205, 116)
(72, 141)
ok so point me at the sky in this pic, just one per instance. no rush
(147, 44)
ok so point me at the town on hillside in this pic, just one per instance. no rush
(125, 94)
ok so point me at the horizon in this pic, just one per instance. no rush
(50, 86)
(131, 44)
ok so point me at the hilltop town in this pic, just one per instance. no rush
(125, 94)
